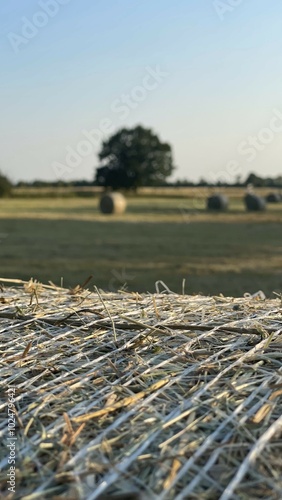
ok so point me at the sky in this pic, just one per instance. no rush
(204, 75)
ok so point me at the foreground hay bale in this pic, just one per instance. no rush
(172, 395)
(217, 202)
(273, 198)
(112, 203)
(254, 203)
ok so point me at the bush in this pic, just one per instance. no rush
(5, 186)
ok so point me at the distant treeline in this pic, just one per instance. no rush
(255, 180)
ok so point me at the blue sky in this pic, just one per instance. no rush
(204, 74)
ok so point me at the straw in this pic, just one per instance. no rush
(157, 396)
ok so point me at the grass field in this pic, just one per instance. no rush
(165, 235)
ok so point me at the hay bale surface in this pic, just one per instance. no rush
(254, 203)
(217, 202)
(172, 395)
(273, 198)
(112, 203)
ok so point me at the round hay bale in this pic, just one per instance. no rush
(112, 203)
(217, 202)
(254, 203)
(273, 198)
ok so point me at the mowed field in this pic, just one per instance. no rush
(166, 234)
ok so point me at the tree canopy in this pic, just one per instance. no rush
(132, 158)
(5, 185)
(258, 181)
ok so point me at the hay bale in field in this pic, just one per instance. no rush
(273, 197)
(254, 203)
(112, 203)
(217, 202)
(172, 395)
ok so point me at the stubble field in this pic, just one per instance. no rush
(166, 234)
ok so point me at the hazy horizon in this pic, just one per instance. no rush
(204, 75)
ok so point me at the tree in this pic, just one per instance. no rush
(255, 180)
(132, 158)
(5, 186)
